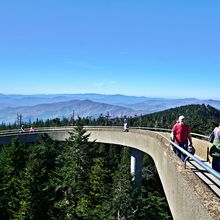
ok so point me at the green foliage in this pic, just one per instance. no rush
(201, 118)
(26, 192)
(123, 205)
(32, 189)
(76, 179)
(153, 204)
(12, 161)
(92, 205)
(35, 192)
(73, 172)
(98, 180)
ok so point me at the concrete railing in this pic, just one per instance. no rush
(187, 195)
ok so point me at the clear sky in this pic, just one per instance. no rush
(154, 48)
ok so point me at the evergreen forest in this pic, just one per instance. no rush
(77, 179)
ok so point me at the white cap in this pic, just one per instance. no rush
(181, 117)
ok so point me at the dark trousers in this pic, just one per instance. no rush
(216, 163)
(181, 155)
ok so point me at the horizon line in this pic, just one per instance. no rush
(112, 94)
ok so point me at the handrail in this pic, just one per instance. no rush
(202, 164)
(57, 128)
(189, 155)
(169, 130)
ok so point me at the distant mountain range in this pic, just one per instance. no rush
(93, 105)
(82, 108)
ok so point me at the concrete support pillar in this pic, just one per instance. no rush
(136, 165)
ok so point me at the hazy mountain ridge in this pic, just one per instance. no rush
(30, 100)
(163, 104)
(89, 104)
(64, 109)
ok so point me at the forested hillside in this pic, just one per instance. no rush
(201, 118)
(52, 106)
(80, 180)
(76, 179)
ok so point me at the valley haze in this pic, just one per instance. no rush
(51, 106)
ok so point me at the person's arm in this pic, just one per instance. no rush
(190, 139)
(172, 136)
(173, 133)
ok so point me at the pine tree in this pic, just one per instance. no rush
(93, 206)
(124, 201)
(152, 202)
(35, 191)
(12, 161)
(72, 173)
(31, 191)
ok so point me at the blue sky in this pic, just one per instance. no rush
(151, 48)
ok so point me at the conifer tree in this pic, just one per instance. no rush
(93, 206)
(31, 193)
(73, 172)
(124, 192)
(35, 191)
(152, 203)
(12, 161)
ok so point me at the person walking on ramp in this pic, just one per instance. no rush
(181, 136)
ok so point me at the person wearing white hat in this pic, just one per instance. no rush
(181, 135)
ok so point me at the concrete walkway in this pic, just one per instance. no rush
(211, 181)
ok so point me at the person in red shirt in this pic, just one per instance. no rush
(181, 135)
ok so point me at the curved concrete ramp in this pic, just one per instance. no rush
(188, 197)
